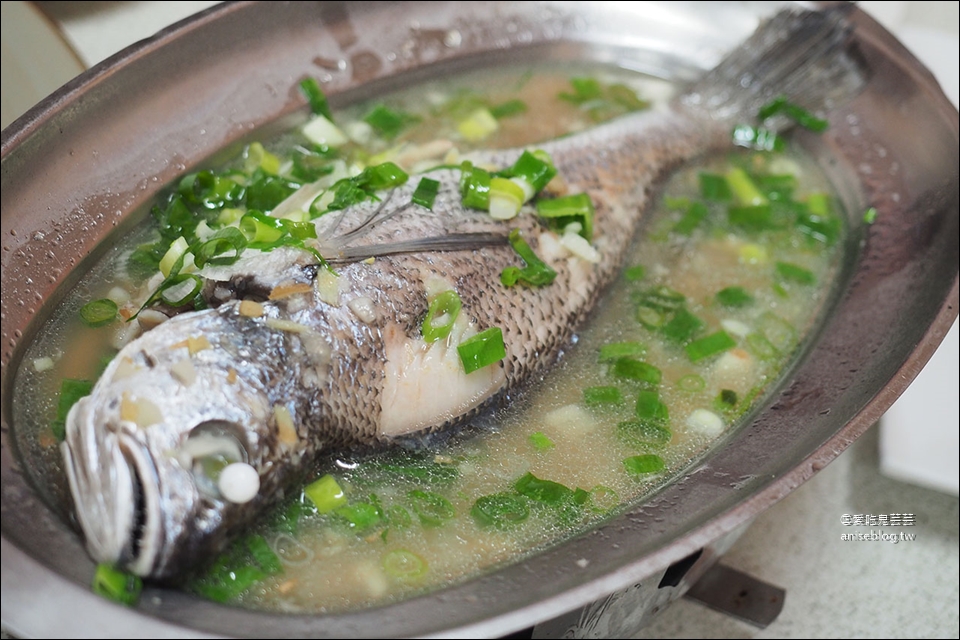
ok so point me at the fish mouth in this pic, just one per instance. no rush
(115, 489)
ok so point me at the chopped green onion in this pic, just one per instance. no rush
(256, 157)
(560, 212)
(263, 555)
(506, 198)
(781, 334)
(209, 190)
(691, 383)
(386, 175)
(71, 390)
(649, 406)
(175, 253)
(734, 297)
(870, 215)
(710, 345)
(183, 287)
(482, 350)
(795, 273)
(535, 169)
(757, 138)
(223, 247)
(593, 396)
(474, 186)
(682, 326)
(793, 111)
(224, 583)
(500, 510)
(692, 217)
(325, 494)
(403, 564)
(508, 108)
(536, 273)
(663, 298)
(650, 317)
(114, 584)
(426, 192)
(584, 90)
(644, 464)
(260, 229)
(744, 189)
(432, 508)
(637, 370)
(634, 273)
(441, 314)
(387, 122)
(322, 131)
(360, 515)
(97, 313)
(642, 433)
(751, 217)
(626, 97)
(545, 491)
(603, 499)
(398, 516)
(617, 350)
(317, 99)
(725, 400)
(714, 186)
(478, 125)
(540, 441)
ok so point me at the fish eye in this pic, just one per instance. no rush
(209, 448)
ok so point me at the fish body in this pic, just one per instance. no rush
(293, 362)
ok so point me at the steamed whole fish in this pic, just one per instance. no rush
(291, 362)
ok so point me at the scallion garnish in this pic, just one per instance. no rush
(506, 198)
(474, 186)
(644, 464)
(725, 400)
(540, 441)
(600, 395)
(360, 515)
(426, 192)
(691, 383)
(649, 406)
(317, 99)
(432, 508)
(560, 212)
(260, 230)
(479, 124)
(710, 345)
(114, 584)
(642, 433)
(758, 138)
(714, 186)
(615, 350)
(637, 370)
(441, 314)
(536, 273)
(870, 215)
(780, 105)
(634, 273)
(691, 219)
(795, 273)
(508, 108)
(734, 297)
(97, 313)
(71, 390)
(683, 326)
(533, 168)
(223, 247)
(482, 350)
(751, 217)
(325, 494)
(403, 564)
(500, 510)
(388, 123)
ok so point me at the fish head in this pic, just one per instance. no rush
(174, 447)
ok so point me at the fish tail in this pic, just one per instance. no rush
(802, 55)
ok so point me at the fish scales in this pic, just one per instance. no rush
(276, 382)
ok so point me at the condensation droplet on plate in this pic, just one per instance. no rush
(895, 196)
(39, 235)
(865, 168)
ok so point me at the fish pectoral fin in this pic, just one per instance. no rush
(425, 384)
(452, 242)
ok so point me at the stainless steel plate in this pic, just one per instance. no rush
(77, 167)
